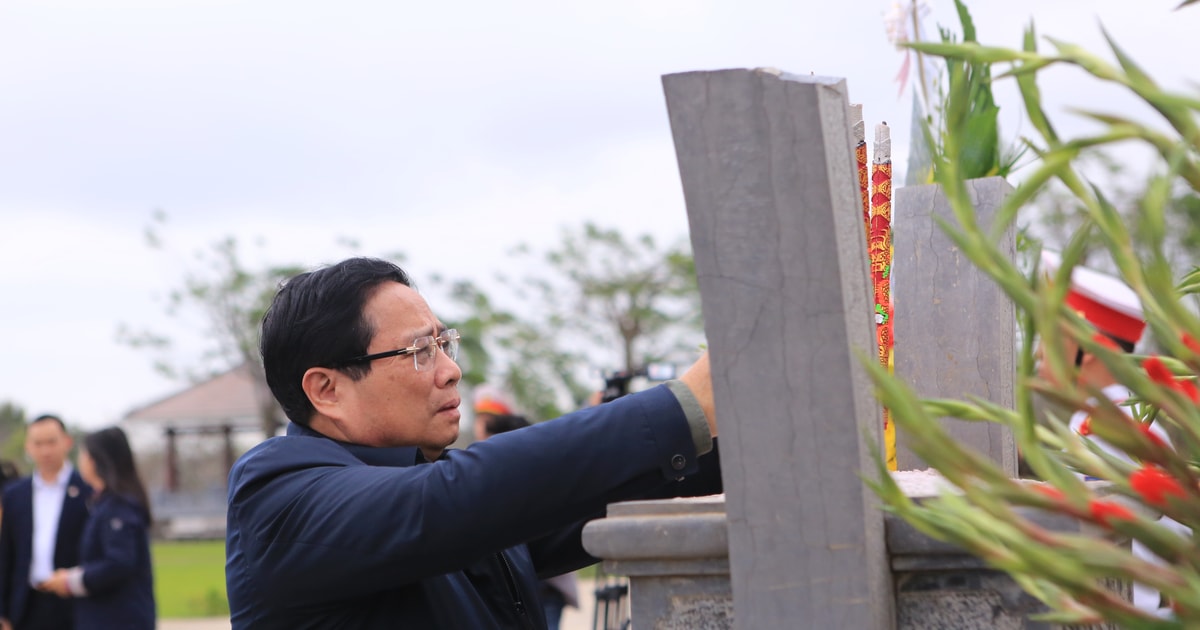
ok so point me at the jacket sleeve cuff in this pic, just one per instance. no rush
(75, 582)
(697, 422)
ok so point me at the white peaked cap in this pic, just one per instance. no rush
(1104, 300)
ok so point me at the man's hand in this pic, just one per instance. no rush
(57, 584)
(698, 378)
(5, 624)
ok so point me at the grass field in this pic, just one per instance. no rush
(189, 578)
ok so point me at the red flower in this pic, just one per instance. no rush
(1188, 387)
(1155, 485)
(1191, 343)
(1104, 512)
(1155, 438)
(1085, 427)
(1158, 372)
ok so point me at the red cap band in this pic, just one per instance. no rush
(1106, 319)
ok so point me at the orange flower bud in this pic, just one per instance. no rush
(1085, 427)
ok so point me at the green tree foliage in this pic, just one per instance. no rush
(501, 348)
(232, 297)
(627, 292)
(1060, 214)
(12, 433)
(599, 299)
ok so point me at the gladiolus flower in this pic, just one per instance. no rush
(1158, 372)
(1151, 435)
(1188, 387)
(1155, 485)
(1085, 427)
(1104, 512)
(1191, 343)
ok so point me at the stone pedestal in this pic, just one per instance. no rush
(676, 555)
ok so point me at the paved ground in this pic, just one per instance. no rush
(573, 618)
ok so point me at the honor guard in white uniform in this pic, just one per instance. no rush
(1115, 310)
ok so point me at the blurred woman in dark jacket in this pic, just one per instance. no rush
(113, 585)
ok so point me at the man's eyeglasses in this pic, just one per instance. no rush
(423, 349)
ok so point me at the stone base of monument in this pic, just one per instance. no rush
(674, 553)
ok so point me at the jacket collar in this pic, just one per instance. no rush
(370, 455)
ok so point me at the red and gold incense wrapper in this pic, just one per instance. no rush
(860, 155)
(879, 249)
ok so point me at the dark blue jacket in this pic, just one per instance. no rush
(115, 556)
(323, 534)
(16, 539)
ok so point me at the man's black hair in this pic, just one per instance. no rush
(316, 319)
(49, 417)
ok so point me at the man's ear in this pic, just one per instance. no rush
(321, 386)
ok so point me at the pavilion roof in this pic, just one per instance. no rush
(224, 399)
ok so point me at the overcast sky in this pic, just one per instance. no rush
(448, 131)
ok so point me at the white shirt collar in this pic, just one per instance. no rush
(60, 482)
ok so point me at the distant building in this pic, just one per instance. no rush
(185, 445)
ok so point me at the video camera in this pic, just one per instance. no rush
(616, 384)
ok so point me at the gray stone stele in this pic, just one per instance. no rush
(955, 328)
(770, 182)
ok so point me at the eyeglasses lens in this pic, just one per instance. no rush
(449, 342)
(426, 354)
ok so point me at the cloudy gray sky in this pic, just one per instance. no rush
(449, 131)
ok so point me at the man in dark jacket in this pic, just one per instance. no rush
(43, 521)
(359, 517)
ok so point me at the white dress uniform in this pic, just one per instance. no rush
(1144, 597)
(1114, 309)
